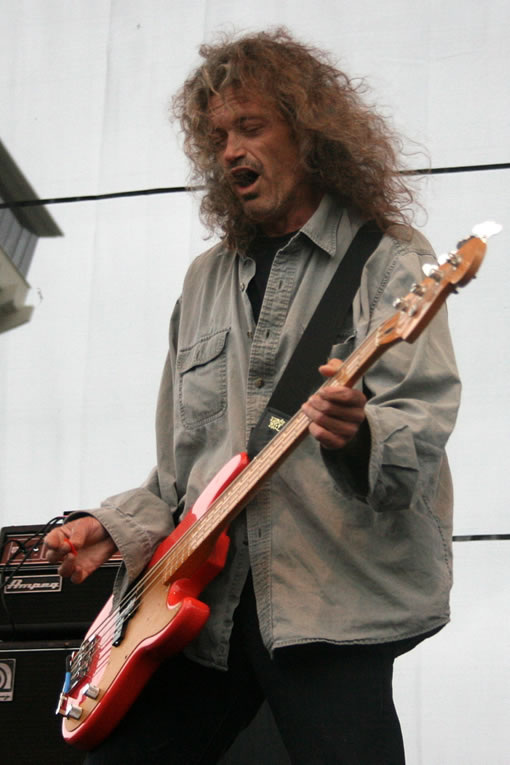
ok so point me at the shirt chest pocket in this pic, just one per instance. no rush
(202, 370)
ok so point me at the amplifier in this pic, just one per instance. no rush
(37, 603)
(31, 678)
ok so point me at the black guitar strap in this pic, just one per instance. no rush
(301, 377)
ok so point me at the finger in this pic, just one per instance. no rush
(51, 541)
(342, 395)
(327, 413)
(333, 424)
(321, 411)
(67, 566)
(78, 575)
(344, 425)
(333, 440)
(74, 566)
(56, 546)
(70, 537)
(335, 420)
(70, 570)
(330, 368)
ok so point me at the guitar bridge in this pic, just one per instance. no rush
(77, 667)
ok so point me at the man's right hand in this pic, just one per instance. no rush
(79, 546)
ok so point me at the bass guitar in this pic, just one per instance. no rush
(161, 612)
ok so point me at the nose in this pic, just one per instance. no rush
(233, 149)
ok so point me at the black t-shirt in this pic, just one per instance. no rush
(263, 250)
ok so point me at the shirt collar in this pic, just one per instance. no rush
(322, 227)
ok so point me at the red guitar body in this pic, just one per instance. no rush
(107, 677)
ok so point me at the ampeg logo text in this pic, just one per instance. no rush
(7, 670)
(20, 585)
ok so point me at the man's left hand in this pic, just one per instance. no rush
(336, 414)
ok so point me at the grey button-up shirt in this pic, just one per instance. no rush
(327, 563)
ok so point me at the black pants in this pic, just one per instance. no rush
(332, 704)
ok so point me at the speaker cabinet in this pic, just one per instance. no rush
(31, 678)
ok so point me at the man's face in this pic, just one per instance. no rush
(260, 158)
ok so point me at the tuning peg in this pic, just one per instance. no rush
(432, 271)
(417, 289)
(451, 257)
(487, 229)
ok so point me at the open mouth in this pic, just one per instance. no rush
(244, 177)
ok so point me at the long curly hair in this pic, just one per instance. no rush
(346, 148)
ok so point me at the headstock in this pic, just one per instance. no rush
(455, 269)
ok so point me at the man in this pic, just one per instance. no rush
(343, 559)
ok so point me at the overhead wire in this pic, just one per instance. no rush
(18, 203)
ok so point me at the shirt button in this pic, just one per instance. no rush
(259, 383)
(243, 286)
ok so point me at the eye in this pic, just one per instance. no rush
(218, 139)
(251, 127)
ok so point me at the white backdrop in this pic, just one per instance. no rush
(84, 92)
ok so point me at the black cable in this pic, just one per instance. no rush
(480, 537)
(459, 169)
(183, 189)
(98, 197)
